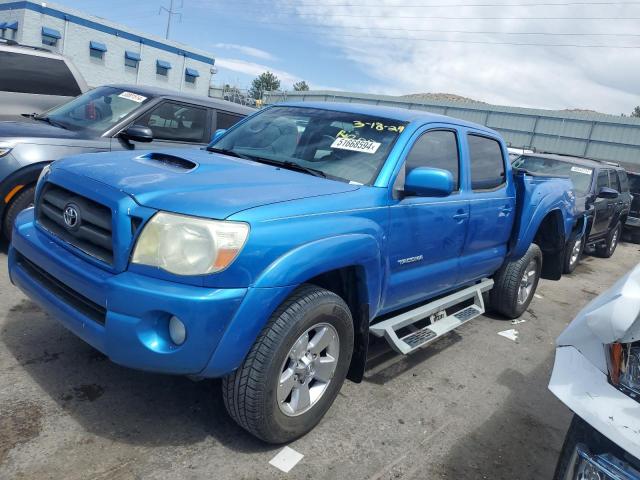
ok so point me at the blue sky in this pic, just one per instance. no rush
(552, 54)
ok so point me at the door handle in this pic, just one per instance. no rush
(460, 216)
(506, 210)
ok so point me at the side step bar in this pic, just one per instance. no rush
(436, 329)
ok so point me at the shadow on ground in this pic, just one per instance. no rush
(521, 440)
(115, 402)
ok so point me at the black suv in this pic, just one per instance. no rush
(602, 199)
(632, 225)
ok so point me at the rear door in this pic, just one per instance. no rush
(426, 233)
(604, 209)
(492, 207)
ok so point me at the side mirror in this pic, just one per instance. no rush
(428, 182)
(217, 134)
(138, 133)
(608, 193)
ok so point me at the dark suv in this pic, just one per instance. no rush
(603, 201)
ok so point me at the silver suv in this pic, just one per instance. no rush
(111, 117)
(33, 80)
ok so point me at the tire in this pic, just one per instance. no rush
(613, 238)
(572, 254)
(253, 395)
(24, 199)
(505, 296)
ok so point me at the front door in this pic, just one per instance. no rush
(426, 233)
(604, 208)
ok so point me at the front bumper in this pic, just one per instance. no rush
(123, 315)
(587, 392)
(632, 222)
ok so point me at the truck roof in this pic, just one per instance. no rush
(403, 114)
(586, 162)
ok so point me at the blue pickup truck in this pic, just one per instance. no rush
(271, 256)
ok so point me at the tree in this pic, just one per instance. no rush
(301, 86)
(265, 82)
(636, 112)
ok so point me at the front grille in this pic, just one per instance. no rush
(65, 293)
(91, 231)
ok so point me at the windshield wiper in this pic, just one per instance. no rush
(300, 168)
(231, 153)
(50, 122)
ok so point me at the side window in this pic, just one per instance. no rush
(436, 149)
(226, 119)
(615, 181)
(22, 73)
(487, 163)
(624, 181)
(603, 180)
(176, 122)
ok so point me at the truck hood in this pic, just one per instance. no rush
(31, 130)
(197, 182)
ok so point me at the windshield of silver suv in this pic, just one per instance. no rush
(579, 175)
(345, 146)
(97, 110)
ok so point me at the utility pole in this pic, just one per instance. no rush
(170, 13)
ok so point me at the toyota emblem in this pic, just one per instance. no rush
(71, 216)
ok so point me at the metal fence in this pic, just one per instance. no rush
(583, 134)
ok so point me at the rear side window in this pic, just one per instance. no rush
(436, 149)
(22, 73)
(487, 163)
(226, 119)
(176, 122)
(614, 180)
(603, 179)
(624, 181)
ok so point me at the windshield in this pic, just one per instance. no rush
(97, 110)
(579, 175)
(345, 146)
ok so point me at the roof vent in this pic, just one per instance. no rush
(170, 162)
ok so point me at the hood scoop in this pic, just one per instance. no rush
(169, 162)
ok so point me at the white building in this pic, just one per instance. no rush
(107, 52)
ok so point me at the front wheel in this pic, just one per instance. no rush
(295, 369)
(515, 284)
(573, 252)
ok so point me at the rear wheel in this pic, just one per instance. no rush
(606, 250)
(295, 368)
(515, 284)
(22, 200)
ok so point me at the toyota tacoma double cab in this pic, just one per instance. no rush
(269, 257)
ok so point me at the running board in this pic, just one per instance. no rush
(436, 329)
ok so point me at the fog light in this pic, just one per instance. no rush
(177, 331)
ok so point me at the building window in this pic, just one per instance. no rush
(97, 50)
(190, 75)
(10, 29)
(50, 37)
(131, 59)
(162, 68)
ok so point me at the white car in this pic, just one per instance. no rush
(597, 375)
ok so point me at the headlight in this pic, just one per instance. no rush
(189, 245)
(624, 366)
(5, 148)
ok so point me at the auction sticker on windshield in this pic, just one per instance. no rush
(586, 171)
(356, 145)
(134, 97)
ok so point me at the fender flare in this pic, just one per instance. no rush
(25, 175)
(280, 279)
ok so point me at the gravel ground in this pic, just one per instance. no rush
(474, 405)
